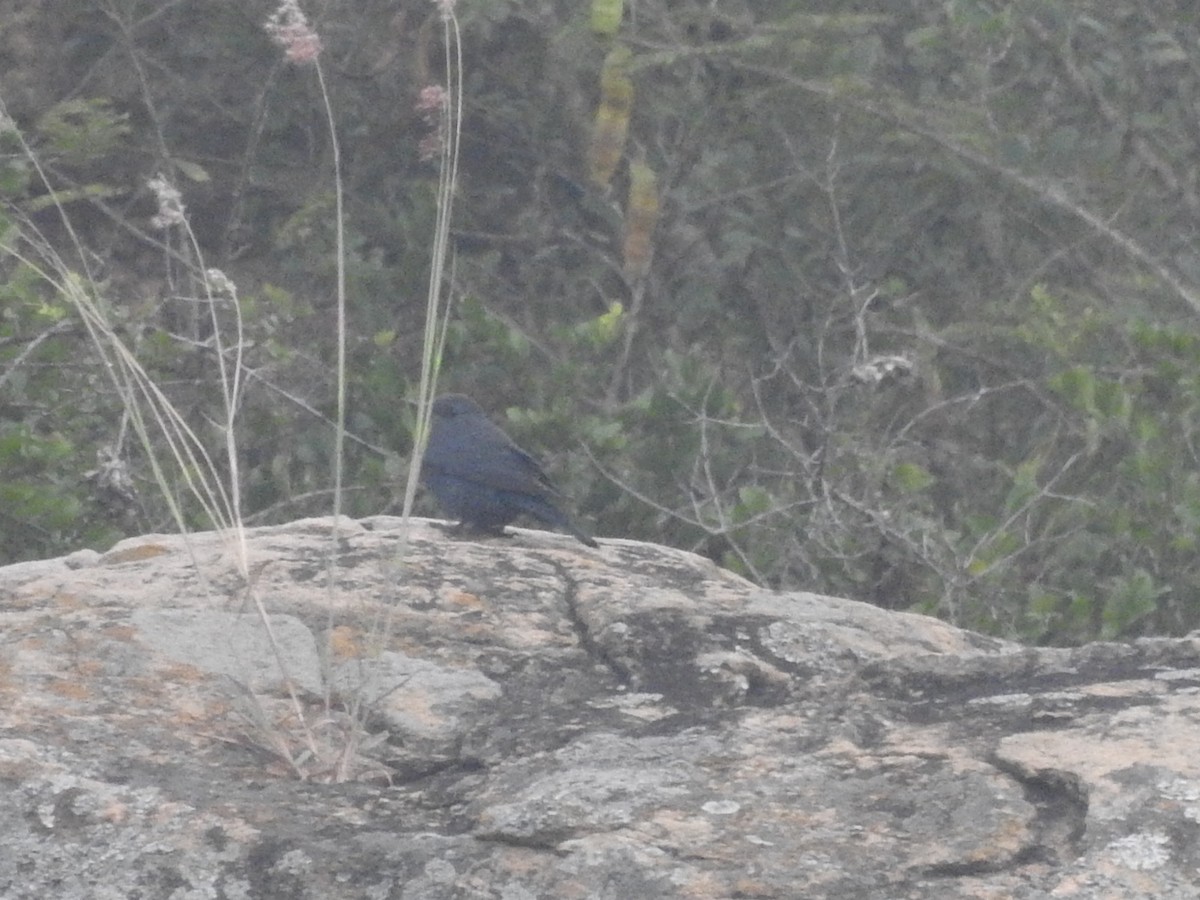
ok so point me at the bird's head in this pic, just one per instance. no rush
(448, 406)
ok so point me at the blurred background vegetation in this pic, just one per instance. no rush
(898, 302)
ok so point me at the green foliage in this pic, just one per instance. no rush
(606, 17)
(1130, 599)
(911, 478)
(600, 332)
(915, 321)
(82, 131)
(45, 504)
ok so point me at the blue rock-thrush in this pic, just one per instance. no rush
(483, 479)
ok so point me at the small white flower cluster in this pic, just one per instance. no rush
(170, 203)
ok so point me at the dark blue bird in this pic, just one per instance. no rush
(482, 478)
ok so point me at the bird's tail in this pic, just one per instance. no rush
(580, 535)
(549, 514)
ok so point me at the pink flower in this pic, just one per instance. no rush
(431, 104)
(431, 101)
(430, 147)
(289, 28)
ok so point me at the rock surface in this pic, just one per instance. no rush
(528, 718)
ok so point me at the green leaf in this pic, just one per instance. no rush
(753, 500)
(190, 170)
(606, 17)
(70, 195)
(1024, 485)
(1077, 386)
(911, 478)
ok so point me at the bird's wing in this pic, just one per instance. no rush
(485, 455)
